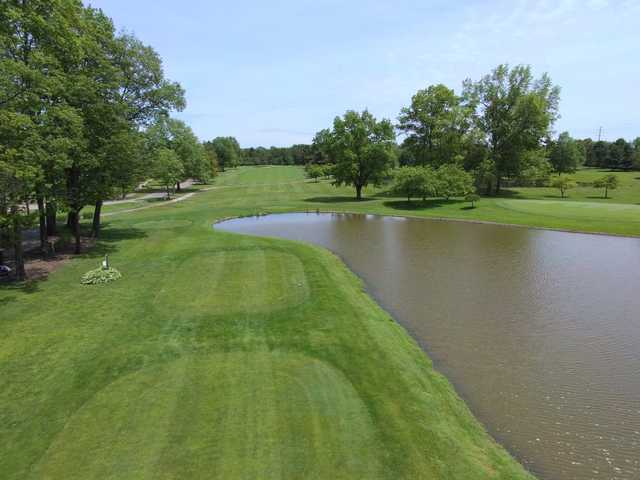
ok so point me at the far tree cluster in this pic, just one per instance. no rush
(498, 129)
(617, 155)
(295, 155)
(226, 151)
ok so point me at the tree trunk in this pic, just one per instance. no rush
(606, 192)
(95, 228)
(42, 217)
(17, 248)
(358, 192)
(498, 184)
(71, 219)
(52, 211)
(75, 228)
(178, 189)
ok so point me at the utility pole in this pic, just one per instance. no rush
(600, 134)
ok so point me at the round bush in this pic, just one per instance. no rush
(100, 276)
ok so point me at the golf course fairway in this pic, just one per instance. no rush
(226, 356)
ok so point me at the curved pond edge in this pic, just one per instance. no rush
(372, 297)
(437, 219)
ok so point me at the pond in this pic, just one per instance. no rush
(539, 331)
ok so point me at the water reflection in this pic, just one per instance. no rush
(539, 331)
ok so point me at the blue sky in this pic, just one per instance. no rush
(275, 72)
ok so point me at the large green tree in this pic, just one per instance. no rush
(362, 147)
(566, 154)
(84, 93)
(514, 112)
(168, 169)
(227, 151)
(90, 82)
(621, 154)
(453, 181)
(19, 149)
(138, 95)
(415, 182)
(38, 39)
(173, 134)
(435, 124)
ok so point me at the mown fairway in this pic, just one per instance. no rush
(223, 356)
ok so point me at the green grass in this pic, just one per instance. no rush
(224, 356)
(628, 190)
(260, 175)
(538, 207)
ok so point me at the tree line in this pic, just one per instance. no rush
(618, 155)
(498, 131)
(84, 117)
(299, 154)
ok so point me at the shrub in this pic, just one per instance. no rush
(100, 276)
(472, 198)
(314, 171)
(453, 181)
(608, 182)
(414, 182)
(563, 183)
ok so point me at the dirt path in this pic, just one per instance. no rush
(158, 204)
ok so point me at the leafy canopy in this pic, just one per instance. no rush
(362, 148)
(514, 113)
(435, 124)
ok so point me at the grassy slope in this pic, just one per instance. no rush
(223, 356)
(539, 207)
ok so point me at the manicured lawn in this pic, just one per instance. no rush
(224, 356)
(538, 207)
(284, 188)
(628, 190)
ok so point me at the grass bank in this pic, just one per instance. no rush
(223, 356)
(584, 210)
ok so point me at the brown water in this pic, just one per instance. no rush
(539, 331)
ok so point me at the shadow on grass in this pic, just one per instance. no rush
(110, 239)
(338, 199)
(598, 197)
(9, 285)
(420, 204)
(6, 300)
(108, 243)
(507, 193)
